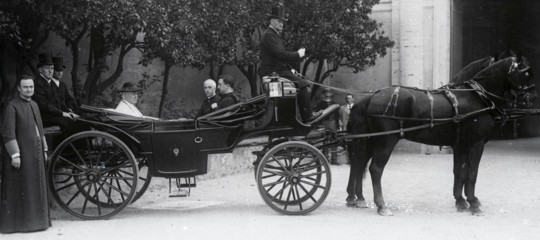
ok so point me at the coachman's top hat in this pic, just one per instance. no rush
(129, 87)
(58, 63)
(278, 12)
(45, 59)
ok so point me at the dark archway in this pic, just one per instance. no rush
(492, 26)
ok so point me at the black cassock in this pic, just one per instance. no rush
(24, 205)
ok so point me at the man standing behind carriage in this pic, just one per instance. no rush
(274, 58)
(23, 199)
(61, 88)
(53, 111)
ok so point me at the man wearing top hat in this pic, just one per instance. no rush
(61, 88)
(53, 111)
(274, 58)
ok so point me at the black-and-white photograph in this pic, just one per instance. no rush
(269, 119)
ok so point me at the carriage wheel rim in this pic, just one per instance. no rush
(299, 186)
(96, 181)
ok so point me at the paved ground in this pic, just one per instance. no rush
(417, 187)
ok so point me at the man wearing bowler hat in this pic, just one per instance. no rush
(130, 95)
(61, 88)
(274, 58)
(53, 111)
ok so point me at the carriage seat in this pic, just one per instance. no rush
(238, 113)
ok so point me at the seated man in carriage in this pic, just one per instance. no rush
(130, 96)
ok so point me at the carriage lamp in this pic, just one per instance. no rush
(275, 87)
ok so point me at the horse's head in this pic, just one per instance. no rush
(522, 91)
(511, 79)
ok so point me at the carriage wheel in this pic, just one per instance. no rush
(144, 178)
(294, 178)
(93, 175)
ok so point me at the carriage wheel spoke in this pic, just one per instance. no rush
(96, 196)
(315, 173)
(68, 174)
(107, 194)
(86, 199)
(283, 167)
(122, 193)
(78, 154)
(307, 193)
(90, 149)
(314, 185)
(281, 174)
(64, 187)
(120, 188)
(72, 164)
(270, 188)
(274, 183)
(285, 184)
(288, 198)
(298, 197)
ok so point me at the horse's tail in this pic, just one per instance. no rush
(358, 117)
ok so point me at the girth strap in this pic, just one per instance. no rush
(457, 117)
(454, 101)
(396, 95)
(430, 97)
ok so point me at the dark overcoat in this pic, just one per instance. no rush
(206, 106)
(274, 57)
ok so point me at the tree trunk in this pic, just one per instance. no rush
(316, 88)
(252, 76)
(164, 89)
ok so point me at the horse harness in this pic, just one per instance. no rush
(390, 111)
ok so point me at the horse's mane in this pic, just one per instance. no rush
(494, 69)
(472, 69)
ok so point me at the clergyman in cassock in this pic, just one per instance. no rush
(24, 205)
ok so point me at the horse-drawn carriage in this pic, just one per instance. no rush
(95, 174)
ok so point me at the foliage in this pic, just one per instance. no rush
(338, 32)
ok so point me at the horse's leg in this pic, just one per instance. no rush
(460, 176)
(352, 149)
(359, 155)
(381, 154)
(475, 154)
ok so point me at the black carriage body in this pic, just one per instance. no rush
(176, 149)
(180, 148)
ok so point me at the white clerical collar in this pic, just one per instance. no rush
(23, 98)
(56, 81)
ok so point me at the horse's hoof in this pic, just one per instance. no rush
(462, 205)
(361, 203)
(384, 211)
(351, 201)
(476, 211)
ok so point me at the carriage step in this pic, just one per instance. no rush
(183, 189)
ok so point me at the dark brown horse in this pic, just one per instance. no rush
(461, 117)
